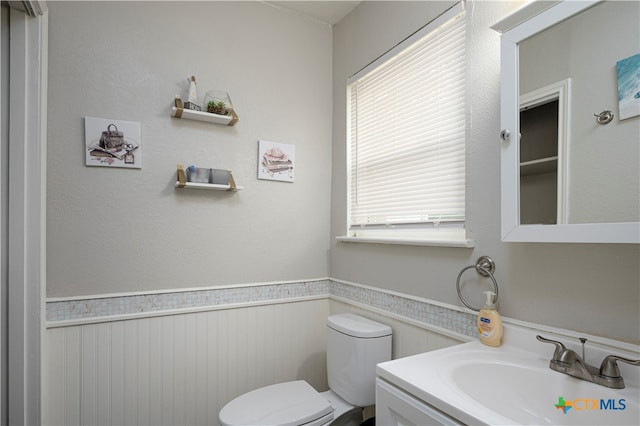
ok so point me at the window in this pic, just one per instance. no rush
(406, 123)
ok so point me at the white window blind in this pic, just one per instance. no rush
(406, 114)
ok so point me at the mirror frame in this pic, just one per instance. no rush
(524, 23)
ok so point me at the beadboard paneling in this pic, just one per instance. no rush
(179, 369)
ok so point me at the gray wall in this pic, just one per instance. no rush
(120, 230)
(590, 288)
(117, 230)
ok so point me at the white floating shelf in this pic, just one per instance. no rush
(183, 183)
(209, 186)
(178, 111)
(202, 116)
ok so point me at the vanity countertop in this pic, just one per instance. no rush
(513, 384)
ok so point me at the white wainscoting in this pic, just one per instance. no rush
(176, 358)
(152, 360)
(179, 369)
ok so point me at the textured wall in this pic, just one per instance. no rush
(591, 288)
(112, 231)
(116, 230)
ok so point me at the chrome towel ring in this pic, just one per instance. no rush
(485, 266)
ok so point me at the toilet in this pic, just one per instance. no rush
(354, 346)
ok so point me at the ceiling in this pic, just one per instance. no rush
(326, 12)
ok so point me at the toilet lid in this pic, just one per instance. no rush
(357, 326)
(290, 403)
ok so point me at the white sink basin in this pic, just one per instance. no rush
(515, 388)
(476, 384)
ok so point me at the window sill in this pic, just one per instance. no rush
(409, 241)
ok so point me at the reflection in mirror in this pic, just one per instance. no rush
(573, 169)
(544, 137)
(539, 163)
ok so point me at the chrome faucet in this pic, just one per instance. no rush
(568, 362)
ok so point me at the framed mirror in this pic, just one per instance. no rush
(567, 173)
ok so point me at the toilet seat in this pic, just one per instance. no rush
(287, 404)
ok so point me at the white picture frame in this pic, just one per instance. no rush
(112, 143)
(276, 161)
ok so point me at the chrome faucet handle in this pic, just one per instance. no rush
(609, 367)
(560, 347)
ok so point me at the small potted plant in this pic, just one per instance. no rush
(219, 108)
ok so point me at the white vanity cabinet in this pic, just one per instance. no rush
(395, 407)
(475, 384)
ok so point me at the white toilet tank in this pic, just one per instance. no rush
(354, 346)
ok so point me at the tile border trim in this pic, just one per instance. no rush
(61, 312)
(171, 302)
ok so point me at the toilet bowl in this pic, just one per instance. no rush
(354, 346)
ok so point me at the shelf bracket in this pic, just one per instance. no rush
(182, 179)
(179, 107)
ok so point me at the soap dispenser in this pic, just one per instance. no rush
(489, 322)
